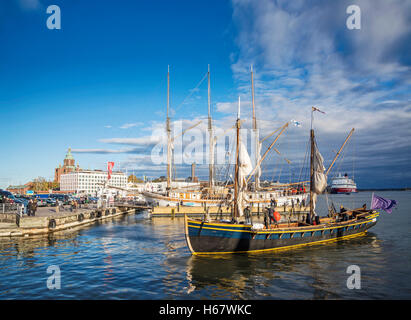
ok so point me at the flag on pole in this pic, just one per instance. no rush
(110, 166)
(381, 203)
(316, 109)
(296, 123)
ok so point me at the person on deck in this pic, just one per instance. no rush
(343, 214)
(272, 216)
(247, 214)
(266, 217)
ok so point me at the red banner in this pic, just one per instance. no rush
(110, 166)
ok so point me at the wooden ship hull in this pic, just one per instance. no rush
(205, 238)
(262, 199)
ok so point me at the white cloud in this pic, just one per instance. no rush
(303, 56)
(29, 4)
(131, 125)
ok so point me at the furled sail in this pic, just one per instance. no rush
(245, 165)
(319, 178)
(258, 151)
(244, 169)
(319, 182)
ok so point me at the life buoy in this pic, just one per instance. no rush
(80, 217)
(52, 223)
(277, 216)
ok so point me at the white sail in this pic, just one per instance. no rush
(319, 177)
(245, 165)
(258, 159)
(244, 169)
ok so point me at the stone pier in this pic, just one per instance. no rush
(47, 220)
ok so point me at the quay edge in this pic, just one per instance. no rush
(26, 226)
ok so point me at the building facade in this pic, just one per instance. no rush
(91, 181)
(21, 189)
(68, 166)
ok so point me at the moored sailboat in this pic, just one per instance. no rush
(214, 193)
(241, 235)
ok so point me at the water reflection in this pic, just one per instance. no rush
(312, 269)
(108, 263)
(133, 257)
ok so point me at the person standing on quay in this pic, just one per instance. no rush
(30, 207)
(21, 209)
(34, 208)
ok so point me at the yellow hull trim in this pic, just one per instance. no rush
(277, 231)
(286, 247)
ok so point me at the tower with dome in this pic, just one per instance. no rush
(68, 166)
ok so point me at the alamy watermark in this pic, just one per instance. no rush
(54, 280)
(354, 20)
(194, 145)
(354, 280)
(54, 20)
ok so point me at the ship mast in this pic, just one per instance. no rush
(311, 173)
(256, 136)
(339, 151)
(266, 152)
(211, 138)
(236, 182)
(169, 151)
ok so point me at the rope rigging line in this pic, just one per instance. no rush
(191, 93)
(303, 165)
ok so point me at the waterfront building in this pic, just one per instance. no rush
(20, 189)
(91, 181)
(68, 166)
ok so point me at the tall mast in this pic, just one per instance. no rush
(339, 151)
(252, 96)
(266, 152)
(236, 182)
(256, 135)
(311, 172)
(168, 132)
(211, 138)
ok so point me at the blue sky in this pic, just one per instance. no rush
(98, 85)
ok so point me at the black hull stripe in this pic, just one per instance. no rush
(207, 244)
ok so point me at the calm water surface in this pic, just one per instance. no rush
(137, 258)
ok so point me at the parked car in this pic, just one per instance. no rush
(7, 196)
(41, 202)
(51, 201)
(92, 199)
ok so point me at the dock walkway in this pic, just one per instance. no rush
(47, 220)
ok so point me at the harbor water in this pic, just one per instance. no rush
(133, 257)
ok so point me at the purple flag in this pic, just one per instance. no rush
(381, 203)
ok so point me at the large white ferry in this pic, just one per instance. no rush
(343, 184)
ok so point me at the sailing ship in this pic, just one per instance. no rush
(208, 236)
(215, 194)
(343, 184)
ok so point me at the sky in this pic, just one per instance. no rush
(99, 84)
